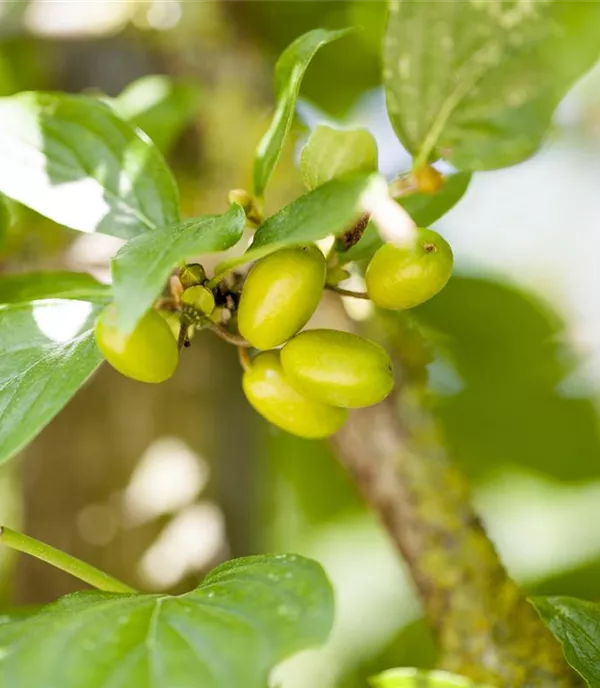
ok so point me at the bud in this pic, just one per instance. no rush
(191, 275)
(199, 298)
(427, 179)
(249, 203)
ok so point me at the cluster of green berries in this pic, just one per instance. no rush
(307, 386)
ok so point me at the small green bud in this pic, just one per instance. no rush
(199, 298)
(192, 275)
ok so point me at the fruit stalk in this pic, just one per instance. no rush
(485, 627)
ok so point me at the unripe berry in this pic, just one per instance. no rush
(148, 354)
(199, 298)
(173, 320)
(401, 277)
(338, 368)
(280, 295)
(268, 390)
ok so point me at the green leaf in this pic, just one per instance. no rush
(425, 209)
(47, 349)
(141, 267)
(331, 153)
(481, 89)
(36, 286)
(159, 106)
(247, 616)
(576, 624)
(5, 218)
(415, 678)
(73, 160)
(330, 209)
(289, 71)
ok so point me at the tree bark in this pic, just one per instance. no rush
(485, 627)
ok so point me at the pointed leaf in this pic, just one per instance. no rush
(141, 267)
(576, 624)
(332, 153)
(481, 88)
(289, 72)
(415, 678)
(72, 159)
(330, 209)
(247, 616)
(47, 350)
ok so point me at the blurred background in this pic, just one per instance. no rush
(158, 485)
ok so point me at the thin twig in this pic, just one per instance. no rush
(245, 361)
(227, 336)
(347, 292)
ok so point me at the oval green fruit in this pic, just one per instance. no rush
(280, 294)
(148, 354)
(338, 368)
(403, 277)
(267, 389)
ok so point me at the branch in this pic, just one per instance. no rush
(484, 625)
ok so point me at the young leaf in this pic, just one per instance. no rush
(415, 678)
(247, 616)
(576, 624)
(330, 153)
(141, 268)
(481, 89)
(47, 350)
(158, 106)
(425, 209)
(289, 72)
(330, 209)
(73, 160)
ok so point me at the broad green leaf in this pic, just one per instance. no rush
(47, 350)
(481, 89)
(247, 616)
(72, 159)
(425, 209)
(331, 153)
(159, 106)
(330, 209)
(36, 286)
(5, 218)
(141, 267)
(289, 71)
(576, 624)
(416, 678)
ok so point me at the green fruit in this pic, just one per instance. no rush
(199, 298)
(280, 294)
(403, 277)
(338, 368)
(148, 354)
(173, 320)
(269, 392)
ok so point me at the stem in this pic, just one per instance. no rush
(63, 561)
(227, 336)
(245, 361)
(347, 292)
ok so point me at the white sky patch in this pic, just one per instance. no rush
(60, 319)
(191, 542)
(168, 477)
